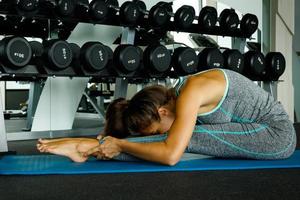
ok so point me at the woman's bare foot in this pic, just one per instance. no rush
(44, 141)
(69, 147)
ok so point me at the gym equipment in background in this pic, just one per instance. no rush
(210, 58)
(92, 59)
(158, 15)
(76, 59)
(156, 60)
(102, 10)
(233, 60)
(94, 56)
(66, 14)
(53, 57)
(208, 18)
(127, 59)
(58, 54)
(161, 13)
(229, 21)
(254, 65)
(249, 24)
(26, 8)
(15, 52)
(184, 61)
(275, 66)
(184, 17)
(61, 8)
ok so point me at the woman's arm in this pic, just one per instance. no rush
(198, 91)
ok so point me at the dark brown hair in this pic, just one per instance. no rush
(124, 117)
(114, 119)
(142, 109)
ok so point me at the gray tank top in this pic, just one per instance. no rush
(243, 102)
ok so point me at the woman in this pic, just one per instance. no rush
(235, 119)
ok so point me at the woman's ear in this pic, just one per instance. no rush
(163, 111)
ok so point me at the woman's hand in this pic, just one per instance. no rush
(108, 149)
(100, 136)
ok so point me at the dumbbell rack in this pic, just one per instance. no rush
(63, 27)
(121, 85)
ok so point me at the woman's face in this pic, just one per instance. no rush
(156, 128)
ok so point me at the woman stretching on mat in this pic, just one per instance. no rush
(216, 112)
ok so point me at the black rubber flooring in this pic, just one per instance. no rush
(264, 184)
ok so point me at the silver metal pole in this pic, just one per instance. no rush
(122, 83)
(3, 137)
(35, 92)
(93, 101)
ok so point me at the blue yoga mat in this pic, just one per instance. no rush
(52, 164)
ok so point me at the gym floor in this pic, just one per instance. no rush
(211, 185)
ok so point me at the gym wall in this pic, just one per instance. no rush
(282, 32)
(296, 60)
(2, 92)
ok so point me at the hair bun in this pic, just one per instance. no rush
(114, 125)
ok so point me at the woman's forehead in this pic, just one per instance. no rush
(152, 127)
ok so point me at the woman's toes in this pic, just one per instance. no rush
(38, 146)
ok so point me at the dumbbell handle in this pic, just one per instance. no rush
(113, 7)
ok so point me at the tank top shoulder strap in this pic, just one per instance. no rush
(179, 84)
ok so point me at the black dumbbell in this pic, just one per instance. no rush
(233, 60)
(184, 61)
(161, 13)
(54, 54)
(94, 56)
(184, 17)
(275, 65)
(26, 7)
(249, 24)
(255, 67)
(156, 59)
(208, 18)
(229, 20)
(101, 10)
(129, 12)
(210, 58)
(58, 54)
(64, 8)
(15, 52)
(158, 15)
(82, 8)
(127, 59)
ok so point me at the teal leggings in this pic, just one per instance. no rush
(235, 140)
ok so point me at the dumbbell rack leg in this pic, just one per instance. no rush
(99, 110)
(35, 92)
(121, 85)
(100, 102)
(3, 136)
(238, 43)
